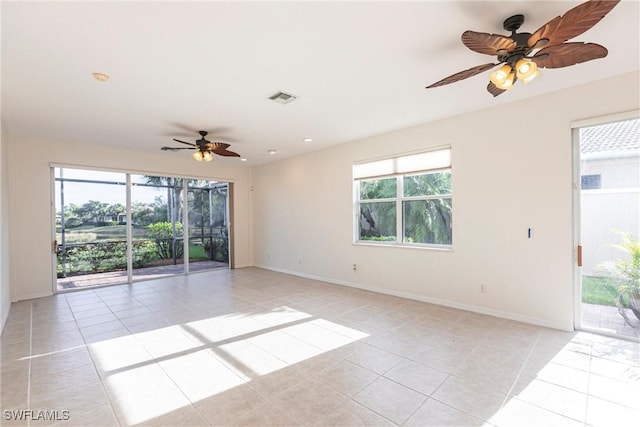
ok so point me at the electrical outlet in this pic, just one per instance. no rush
(355, 267)
(299, 260)
(483, 289)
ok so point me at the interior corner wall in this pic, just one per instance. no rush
(5, 295)
(31, 199)
(512, 170)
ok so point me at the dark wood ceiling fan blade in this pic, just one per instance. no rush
(217, 145)
(573, 23)
(183, 142)
(225, 153)
(463, 75)
(184, 128)
(175, 148)
(566, 54)
(486, 43)
(493, 90)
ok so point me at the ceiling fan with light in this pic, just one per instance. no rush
(521, 54)
(204, 149)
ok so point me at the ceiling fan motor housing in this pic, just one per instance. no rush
(521, 50)
(512, 23)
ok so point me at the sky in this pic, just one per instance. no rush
(79, 193)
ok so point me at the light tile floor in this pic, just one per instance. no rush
(139, 274)
(257, 348)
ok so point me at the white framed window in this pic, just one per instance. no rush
(405, 200)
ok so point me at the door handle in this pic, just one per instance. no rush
(55, 246)
(579, 255)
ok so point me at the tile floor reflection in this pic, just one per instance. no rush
(257, 348)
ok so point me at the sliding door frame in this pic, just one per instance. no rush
(129, 226)
(577, 224)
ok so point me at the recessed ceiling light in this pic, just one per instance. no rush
(243, 159)
(272, 151)
(102, 77)
(308, 140)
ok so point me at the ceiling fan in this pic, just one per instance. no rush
(523, 53)
(204, 149)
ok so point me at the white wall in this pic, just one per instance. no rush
(30, 199)
(615, 172)
(5, 297)
(602, 213)
(613, 207)
(512, 169)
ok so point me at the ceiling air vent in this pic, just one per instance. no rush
(282, 98)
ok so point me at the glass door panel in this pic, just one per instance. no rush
(156, 216)
(609, 215)
(208, 225)
(91, 231)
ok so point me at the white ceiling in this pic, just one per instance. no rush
(358, 68)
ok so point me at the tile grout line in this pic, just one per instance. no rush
(93, 362)
(135, 337)
(451, 375)
(586, 404)
(552, 384)
(518, 375)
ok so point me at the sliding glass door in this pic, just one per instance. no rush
(608, 232)
(157, 226)
(208, 225)
(91, 231)
(115, 228)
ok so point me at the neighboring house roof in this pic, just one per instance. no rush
(611, 137)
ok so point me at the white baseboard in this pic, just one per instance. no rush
(446, 303)
(32, 296)
(5, 316)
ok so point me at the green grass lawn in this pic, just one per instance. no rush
(196, 252)
(598, 290)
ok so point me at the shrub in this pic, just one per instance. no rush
(144, 251)
(379, 238)
(97, 257)
(162, 234)
(217, 249)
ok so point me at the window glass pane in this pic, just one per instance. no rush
(377, 221)
(378, 189)
(439, 159)
(90, 175)
(591, 182)
(427, 184)
(427, 221)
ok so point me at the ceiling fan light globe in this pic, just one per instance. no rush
(525, 68)
(207, 156)
(500, 75)
(198, 155)
(532, 76)
(507, 83)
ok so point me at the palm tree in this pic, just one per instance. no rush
(428, 221)
(174, 194)
(378, 219)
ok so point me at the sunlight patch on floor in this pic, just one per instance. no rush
(153, 373)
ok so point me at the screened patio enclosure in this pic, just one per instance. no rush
(115, 227)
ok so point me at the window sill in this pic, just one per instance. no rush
(436, 248)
